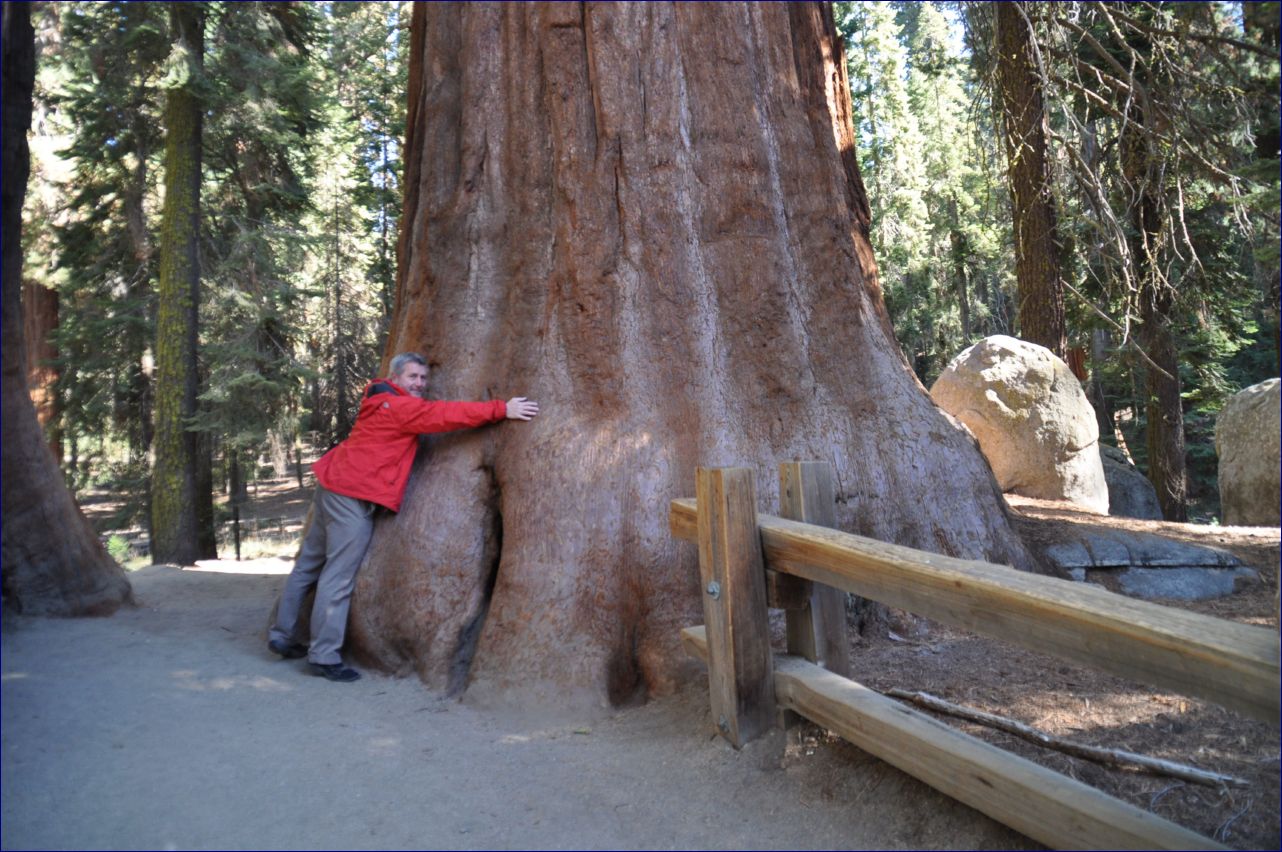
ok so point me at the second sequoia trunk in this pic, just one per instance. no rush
(649, 218)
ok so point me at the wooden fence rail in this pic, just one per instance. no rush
(748, 560)
(1235, 665)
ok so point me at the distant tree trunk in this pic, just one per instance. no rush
(1164, 433)
(176, 477)
(1038, 267)
(39, 321)
(206, 531)
(1100, 354)
(137, 396)
(648, 217)
(960, 250)
(52, 563)
(1164, 428)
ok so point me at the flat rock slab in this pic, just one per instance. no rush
(1104, 548)
(1185, 584)
(1142, 564)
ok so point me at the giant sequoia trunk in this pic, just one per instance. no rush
(1038, 266)
(649, 218)
(52, 562)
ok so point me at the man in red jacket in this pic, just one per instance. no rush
(368, 469)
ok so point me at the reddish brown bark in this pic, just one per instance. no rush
(51, 563)
(39, 320)
(1039, 286)
(648, 217)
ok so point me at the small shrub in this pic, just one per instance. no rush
(118, 548)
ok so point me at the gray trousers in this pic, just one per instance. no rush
(331, 554)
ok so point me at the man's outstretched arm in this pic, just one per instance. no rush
(426, 416)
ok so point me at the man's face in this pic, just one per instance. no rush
(413, 377)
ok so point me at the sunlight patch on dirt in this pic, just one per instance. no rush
(264, 565)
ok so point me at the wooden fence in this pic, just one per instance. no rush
(798, 563)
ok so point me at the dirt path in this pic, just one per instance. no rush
(170, 726)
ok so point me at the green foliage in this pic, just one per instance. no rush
(941, 232)
(941, 215)
(118, 548)
(356, 212)
(101, 98)
(1216, 199)
(304, 115)
(303, 109)
(258, 144)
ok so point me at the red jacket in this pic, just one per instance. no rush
(373, 463)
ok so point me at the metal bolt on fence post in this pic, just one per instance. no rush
(714, 589)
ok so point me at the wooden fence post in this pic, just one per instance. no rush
(740, 668)
(817, 628)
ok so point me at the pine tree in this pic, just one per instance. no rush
(925, 149)
(357, 203)
(178, 523)
(258, 151)
(102, 92)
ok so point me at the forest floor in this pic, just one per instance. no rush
(1091, 707)
(170, 726)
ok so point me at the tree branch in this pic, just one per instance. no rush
(1106, 756)
(1203, 37)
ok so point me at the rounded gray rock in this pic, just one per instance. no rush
(1247, 440)
(1130, 494)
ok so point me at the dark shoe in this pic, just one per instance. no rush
(288, 650)
(335, 672)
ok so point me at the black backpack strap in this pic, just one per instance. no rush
(379, 387)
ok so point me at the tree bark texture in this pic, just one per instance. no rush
(1164, 408)
(648, 217)
(39, 320)
(52, 562)
(175, 492)
(1039, 285)
(1164, 412)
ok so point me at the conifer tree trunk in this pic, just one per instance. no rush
(39, 321)
(176, 514)
(648, 217)
(1164, 427)
(52, 562)
(1164, 408)
(1038, 272)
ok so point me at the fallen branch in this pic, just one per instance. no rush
(1106, 756)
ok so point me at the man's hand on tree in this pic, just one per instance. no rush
(520, 408)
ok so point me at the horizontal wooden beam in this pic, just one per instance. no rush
(1235, 665)
(1038, 802)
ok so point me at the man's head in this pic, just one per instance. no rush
(409, 370)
